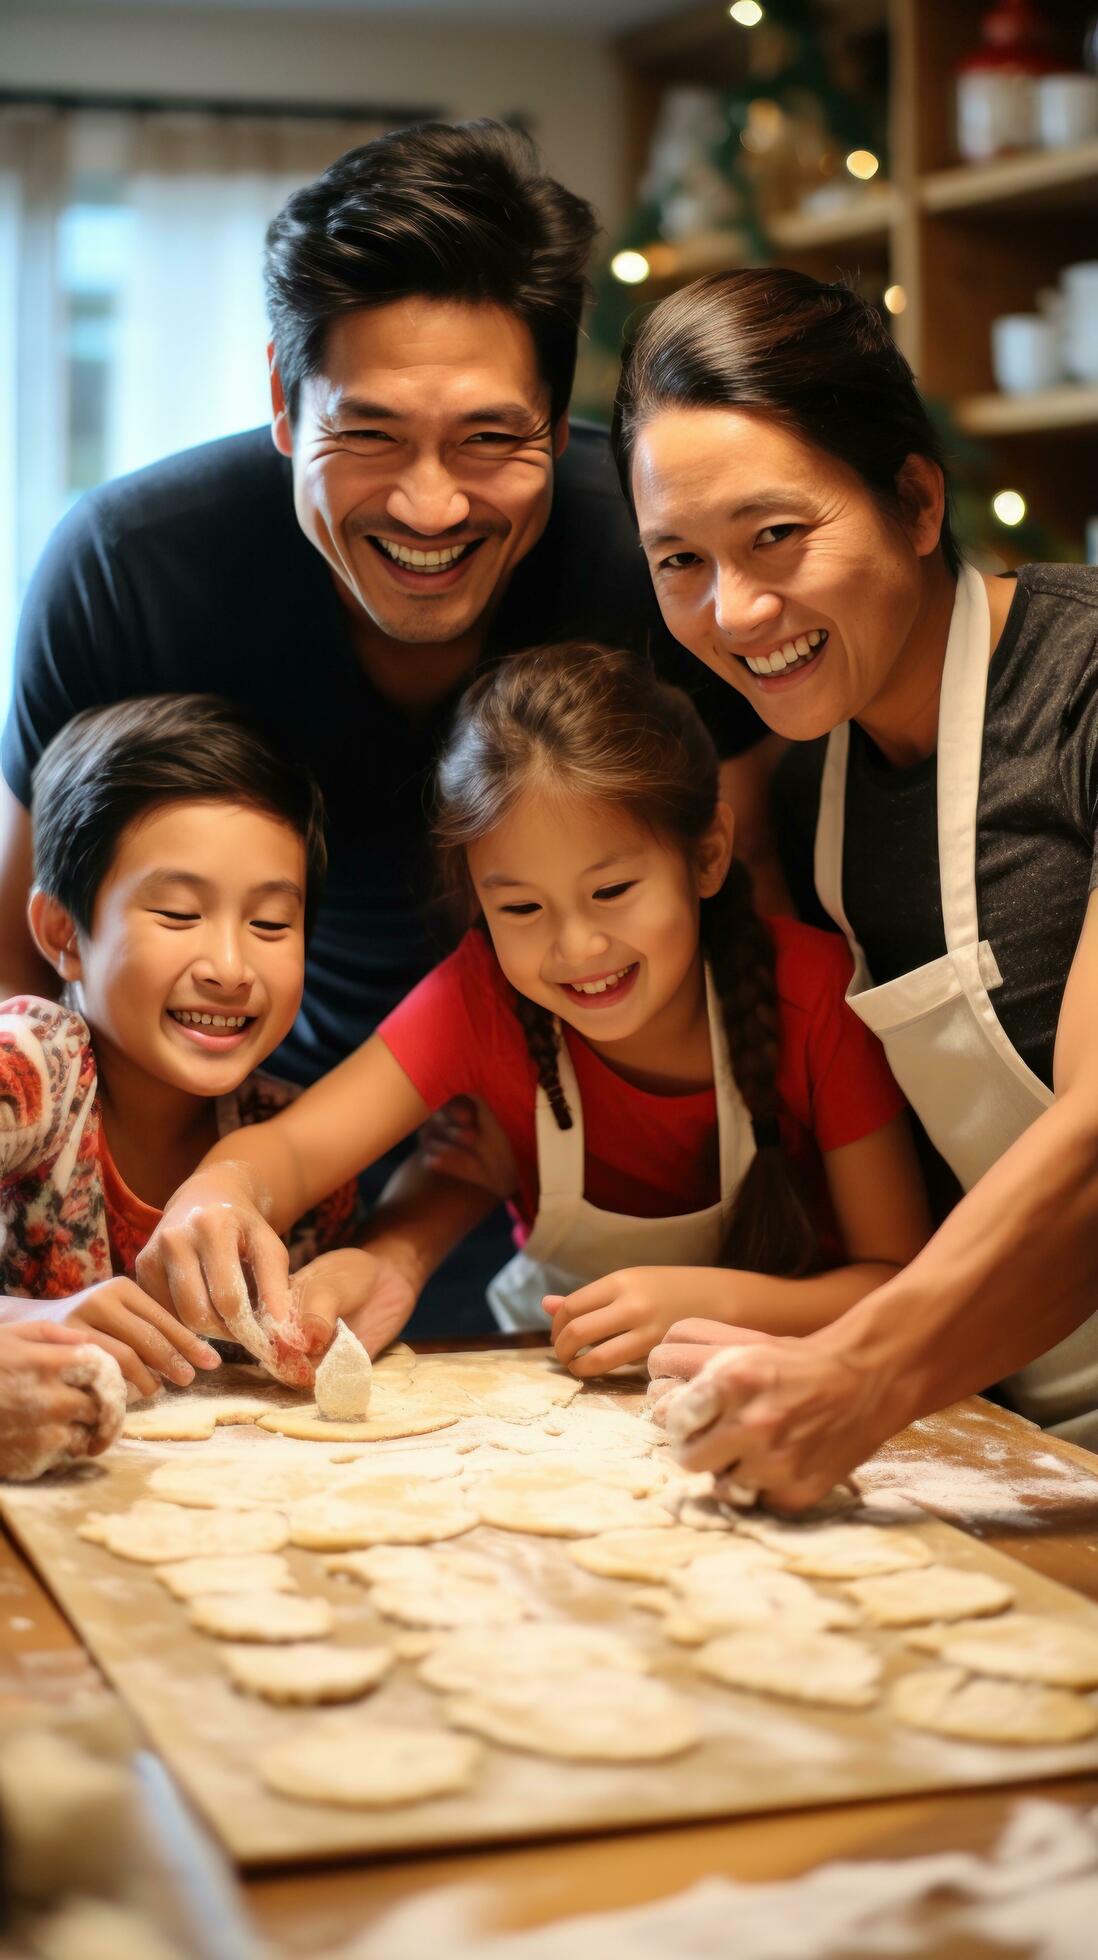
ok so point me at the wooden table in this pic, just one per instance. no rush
(1052, 1526)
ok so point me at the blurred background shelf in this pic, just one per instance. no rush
(1071, 407)
(870, 218)
(1045, 180)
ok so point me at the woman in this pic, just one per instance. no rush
(789, 491)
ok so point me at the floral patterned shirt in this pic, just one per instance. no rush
(66, 1218)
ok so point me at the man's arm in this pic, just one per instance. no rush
(745, 784)
(22, 969)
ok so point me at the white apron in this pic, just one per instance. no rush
(572, 1242)
(971, 1090)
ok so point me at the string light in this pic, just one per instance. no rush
(632, 268)
(863, 165)
(746, 13)
(895, 298)
(1009, 507)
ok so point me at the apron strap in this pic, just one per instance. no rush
(830, 836)
(735, 1134)
(960, 752)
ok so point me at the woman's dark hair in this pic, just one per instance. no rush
(451, 211)
(816, 358)
(109, 766)
(599, 724)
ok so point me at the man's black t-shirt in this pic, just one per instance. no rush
(1037, 817)
(194, 576)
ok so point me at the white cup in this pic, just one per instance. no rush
(1066, 110)
(1025, 353)
(1080, 282)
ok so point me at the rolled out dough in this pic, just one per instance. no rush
(818, 1667)
(261, 1572)
(716, 1595)
(381, 1563)
(187, 1418)
(241, 1483)
(305, 1674)
(838, 1551)
(308, 1425)
(156, 1534)
(265, 1616)
(644, 1554)
(556, 1509)
(938, 1592)
(346, 1760)
(542, 1653)
(439, 1601)
(1021, 1646)
(599, 1715)
(950, 1702)
(378, 1511)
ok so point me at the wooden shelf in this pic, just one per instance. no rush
(1072, 406)
(857, 222)
(1039, 180)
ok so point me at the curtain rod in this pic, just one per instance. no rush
(397, 115)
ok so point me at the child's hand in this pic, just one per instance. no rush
(369, 1293)
(145, 1339)
(38, 1409)
(618, 1319)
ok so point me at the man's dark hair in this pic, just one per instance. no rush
(448, 211)
(109, 766)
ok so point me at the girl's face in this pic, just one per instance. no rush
(776, 567)
(591, 915)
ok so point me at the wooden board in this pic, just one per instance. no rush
(758, 1754)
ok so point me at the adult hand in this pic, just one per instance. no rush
(617, 1319)
(145, 1339)
(40, 1414)
(464, 1140)
(791, 1418)
(371, 1294)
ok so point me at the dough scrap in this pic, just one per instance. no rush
(950, 1702)
(644, 1554)
(379, 1511)
(459, 1662)
(157, 1534)
(261, 1572)
(599, 1715)
(830, 1668)
(305, 1673)
(523, 1501)
(1021, 1646)
(345, 1760)
(938, 1592)
(185, 1418)
(385, 1422)
(266, 1616)
(242, 1483)
(838, 1551)
(344, 1379)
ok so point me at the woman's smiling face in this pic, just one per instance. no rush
(775, 565)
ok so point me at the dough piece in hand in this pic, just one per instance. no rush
(839, 1551)
(380, 1511)
(950, 1702)
(459, 1662)
(597, 1716)
(308, 1425)
(156, 1534)
(241, 1483)
(556, 1507)
(186, 1418)
(717, 1595)
(266, 1616)
(938, 1592)
(262, 1572)
(307, 1674)
(344, 1760)
(820, 1667)
(647, 1554)
(1022, 1646)
(344, 1379)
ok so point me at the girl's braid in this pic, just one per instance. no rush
(542, 1042)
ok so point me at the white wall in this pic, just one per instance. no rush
(570, 87)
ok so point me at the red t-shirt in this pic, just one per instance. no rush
(647, 1155)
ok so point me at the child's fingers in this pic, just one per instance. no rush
(270, 1264)
(600, 1293)
(599, 1360)
(169, 1271)
(589, 1328)
(49, 1333)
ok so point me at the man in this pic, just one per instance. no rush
(421, 510)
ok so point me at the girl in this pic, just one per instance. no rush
(680, 1083)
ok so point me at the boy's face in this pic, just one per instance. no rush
(193, 970)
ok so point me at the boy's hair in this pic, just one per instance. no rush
(109, 766)
(448, 211)
(600, 725)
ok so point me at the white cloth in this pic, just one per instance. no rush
(572, 1242)
(970, 1088)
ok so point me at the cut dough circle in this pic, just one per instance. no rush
(437, 1601)
(938, 1592)
(714, 1596)
(644, 1554)
(241, 1483)
(156, 1534)
(305, 1674)
(540, 1653)
(839, 1551)
(265, 1616)
(599, 1716)
(188, 1418)
(344, 1378)
(1021, 1646)
(345, 1760)
(819, 1667)
(950, 1702)
(637, 1476)
(384, 1562)
(308, 1425)
(261, 1572)
(379, 1511)
(521, 1502)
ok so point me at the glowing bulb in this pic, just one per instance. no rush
(1009, 507)
(632, 268)
(746, 13)
(863, 164)
(895, 299)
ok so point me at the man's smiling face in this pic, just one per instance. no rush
(423, 461)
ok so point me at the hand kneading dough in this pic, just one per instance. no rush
(1022, 1646)
(559, 1508)
(822, 1667)
(268, 1616)
(379, 1511)
(950, 1702)
(598, 1716)
(542, 1653)
(838, 1551)
(307, 1674)
(241, 1483)
(187, 1418)
(262, 1572)
(344, 1379)
(345, 1760)
(156, 1534)
(939, 1592)
(642, 1554)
